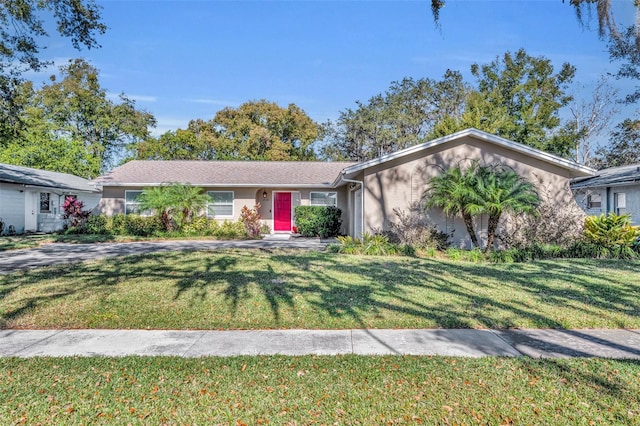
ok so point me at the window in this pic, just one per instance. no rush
(594, 201)
(221, 204)
(323, 198)
(45, 202)
(131, 203)
(620, 202)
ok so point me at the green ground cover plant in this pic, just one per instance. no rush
(318, 390)
(246, 289)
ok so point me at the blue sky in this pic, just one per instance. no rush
(182, 60)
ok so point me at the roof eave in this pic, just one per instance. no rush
(478, 134)
(224, 185)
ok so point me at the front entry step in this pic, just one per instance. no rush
(277, 237)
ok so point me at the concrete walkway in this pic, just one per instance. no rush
(458, 342)
(60, 253)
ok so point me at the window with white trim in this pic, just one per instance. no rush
(620, 202)
(323, 198)
(220, 204)
(131, 203)
(45, 202)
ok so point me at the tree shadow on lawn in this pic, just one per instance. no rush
(365, 292)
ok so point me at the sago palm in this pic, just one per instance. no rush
(500, 190)
(453, 191)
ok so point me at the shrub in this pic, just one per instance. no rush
(611, 231)
(318, 221)
(251, 220)
(116, 224)
(550, 225)
(74, 211)
(142, 226)
(265, 229)
(229, 230)
(377, 245)
(200, 225)
(96, 224)
(120, 224)
(413, 228)
(370, 245)
(349, 245)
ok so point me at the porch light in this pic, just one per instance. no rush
(264, 195)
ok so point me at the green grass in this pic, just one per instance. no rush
(23, 241)
(261, 290)
(319, 390)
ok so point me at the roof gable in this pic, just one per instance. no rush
(480, 135)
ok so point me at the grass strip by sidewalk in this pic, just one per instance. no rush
(246, 289)
(318, 390)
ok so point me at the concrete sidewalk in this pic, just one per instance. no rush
(456, 342)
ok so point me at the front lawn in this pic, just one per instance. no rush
(319, 390)
(260, 289)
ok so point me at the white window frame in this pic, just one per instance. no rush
(126, 203)
(620, 202)
(40, 209)
(323, 192)
(213, 204)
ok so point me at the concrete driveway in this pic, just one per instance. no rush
(60, 253)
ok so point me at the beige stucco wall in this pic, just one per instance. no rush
(113, 200)
(399, 183)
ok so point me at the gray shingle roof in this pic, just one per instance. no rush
(624, 175)
(224, 173)
(44, 178)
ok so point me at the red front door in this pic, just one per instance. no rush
(282, 212)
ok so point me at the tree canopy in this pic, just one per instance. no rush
(22, 33)
(70, 125)
(256, 130)
(404, 115)
(623, 148)
(516, 96)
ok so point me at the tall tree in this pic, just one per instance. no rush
(256, 130)
(589, 118)
(518, 97)
(403, 116)
(174, 145)
(624, 43)
(22, 33)
(262, 130)
(625, 48)
(623, 148)
(72, 121)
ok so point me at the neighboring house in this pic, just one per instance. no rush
(367, 192)
(610, 190)
(30, 199)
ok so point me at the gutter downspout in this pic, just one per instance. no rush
(361, 183)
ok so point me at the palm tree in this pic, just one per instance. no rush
(187, 201)
(454, 191)
(174, 203)
(499, 190)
